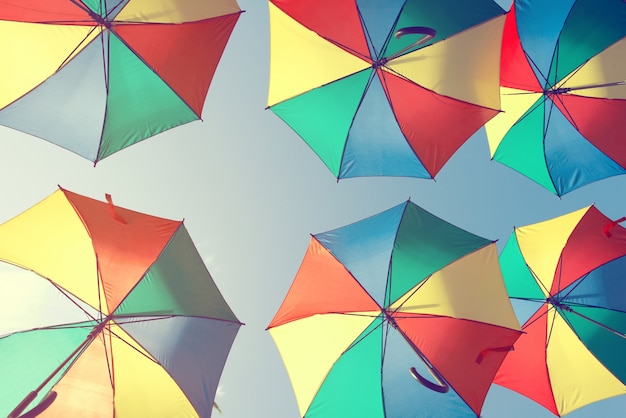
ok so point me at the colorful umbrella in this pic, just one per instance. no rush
(112, 313)
(563, 92)
(388, 88)
(97, 76)
(567, 275)
(386, 301)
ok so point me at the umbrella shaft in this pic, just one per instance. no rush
(32, 395)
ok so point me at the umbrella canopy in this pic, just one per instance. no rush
(387, 88)
(397, 297)
(563, 92)
(97, 76)
(567, 276)
(111, 311)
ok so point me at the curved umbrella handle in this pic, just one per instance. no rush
(607, 229)
(426, 35)
(441, 386)
(41, 406)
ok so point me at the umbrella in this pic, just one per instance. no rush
(111, 312)
(386, 88)
(400, 314)
(563, 92)
(566, 275)
(95, 77)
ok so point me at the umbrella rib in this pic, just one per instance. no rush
(414, 291)
(84, 8)
(363, 336)
(369, 37)
(572, 288)
(594, 86)
(383, 82)
(550, 325)
(539, 282)
(114, 9)
(105, 61)
(76, 48)
(558, 97)
(114, 334)
(593, 321)
(346, 48)
(67, 295)
(156, 317)
(98, 281)
(423, 282)
(387, 300)
(532, 108)
(65, 60)
(537, 70)
(109, 359)
(69, 325)
(383, 352)
(367, 86)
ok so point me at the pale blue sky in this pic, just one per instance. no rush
(251, 193)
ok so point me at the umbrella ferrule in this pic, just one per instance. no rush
(558, 304)
(380, 62)
(390, 319)
(98, 328)
(560, 90)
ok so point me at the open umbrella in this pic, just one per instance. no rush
(563, 92)
(566, 275)
(97, 76)
(400, 314)
(111, 313)
(384, 88)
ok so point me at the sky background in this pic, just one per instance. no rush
(251, 193)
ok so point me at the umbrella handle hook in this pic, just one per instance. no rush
(426, 35)
(38, 409)
(608, 227)
(441, 386)
(483, 353)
